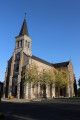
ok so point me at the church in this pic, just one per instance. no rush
(22, 57)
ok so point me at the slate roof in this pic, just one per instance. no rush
(24, 29)
(59, 65)
(41, 60)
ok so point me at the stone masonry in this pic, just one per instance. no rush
(22, 57)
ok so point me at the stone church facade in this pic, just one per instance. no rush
(22, 57)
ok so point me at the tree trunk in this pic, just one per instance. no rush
(58, 91)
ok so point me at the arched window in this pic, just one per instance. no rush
(18, 56)
(18, 44)
(17, 68)
(26, 43)
(21, 43)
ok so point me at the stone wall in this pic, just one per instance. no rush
(34, 91)
(71, 78)
(41, 66)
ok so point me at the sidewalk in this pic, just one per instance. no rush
(15, 100)
(56, 100)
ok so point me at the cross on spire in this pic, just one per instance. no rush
(25, 14)
(24, 29)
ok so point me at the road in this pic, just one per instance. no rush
(41, 110)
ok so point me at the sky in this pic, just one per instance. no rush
(53, 25)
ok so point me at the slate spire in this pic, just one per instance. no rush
(24, 29)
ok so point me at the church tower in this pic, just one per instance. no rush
(21, 56)
(23, 41)
(22, 46)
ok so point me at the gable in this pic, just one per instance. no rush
(60, 65)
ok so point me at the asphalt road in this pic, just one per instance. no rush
(58, 110)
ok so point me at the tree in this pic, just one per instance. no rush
(78, 91)
(0, 96)
(61, 78)
(79, 82)
(47, 76)
(30, 74)
(34, 75)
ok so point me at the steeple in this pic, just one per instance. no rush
(24, 29)
(23, 41)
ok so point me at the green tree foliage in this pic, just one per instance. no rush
(61, 79)
(0, 96)
(32, 74)
(79, 82)
(47, 77)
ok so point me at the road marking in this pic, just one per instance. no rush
(19, 117)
